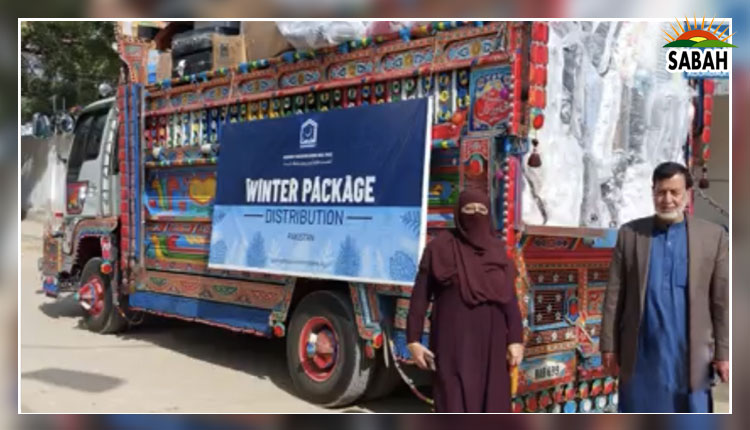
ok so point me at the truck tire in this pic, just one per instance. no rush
(385, 379)
(95, 289)
(325, 354)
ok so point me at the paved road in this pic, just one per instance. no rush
(164, 366)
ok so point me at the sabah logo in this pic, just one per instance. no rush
(308, 134)
(700, 50)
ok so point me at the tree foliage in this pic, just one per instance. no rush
(66, 59)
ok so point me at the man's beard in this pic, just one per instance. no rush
(671, 216)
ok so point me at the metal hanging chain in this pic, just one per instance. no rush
(132, 322)
(712, 202)
(409, 382)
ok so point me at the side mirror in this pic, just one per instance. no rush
(41, 126)
(105, 89)
(66, 123)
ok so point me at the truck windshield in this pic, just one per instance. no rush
(86, 143)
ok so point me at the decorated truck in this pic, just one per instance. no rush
(241, 198)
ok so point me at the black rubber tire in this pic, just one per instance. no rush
(109, 320)
(353, 370)
(384, 380)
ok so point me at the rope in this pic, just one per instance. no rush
(712, 202)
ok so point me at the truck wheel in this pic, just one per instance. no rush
(324, 352)
(95, 295)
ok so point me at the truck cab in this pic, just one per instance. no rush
(91, 184)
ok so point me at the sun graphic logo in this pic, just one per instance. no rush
(698, 51)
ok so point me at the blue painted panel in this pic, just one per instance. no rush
(241, 317)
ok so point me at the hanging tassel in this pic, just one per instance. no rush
(703, 183)
(534, 159)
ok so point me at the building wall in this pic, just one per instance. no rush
(42, 174)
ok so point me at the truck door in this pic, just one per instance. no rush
(84, 173)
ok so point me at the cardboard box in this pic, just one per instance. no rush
(228, 51)
(136, 28)
(158, 66)
(262, 40)
(164, 66)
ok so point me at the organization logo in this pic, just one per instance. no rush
(308, 134)
(698, 50)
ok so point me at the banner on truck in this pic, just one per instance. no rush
(337, 195)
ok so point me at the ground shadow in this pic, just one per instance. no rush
(62, 307)
(260, 357)
(264, 358)
(74, 379)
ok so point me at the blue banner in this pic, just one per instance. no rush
(336, 195)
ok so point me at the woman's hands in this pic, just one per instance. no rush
(424, 358)
(515, 354)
